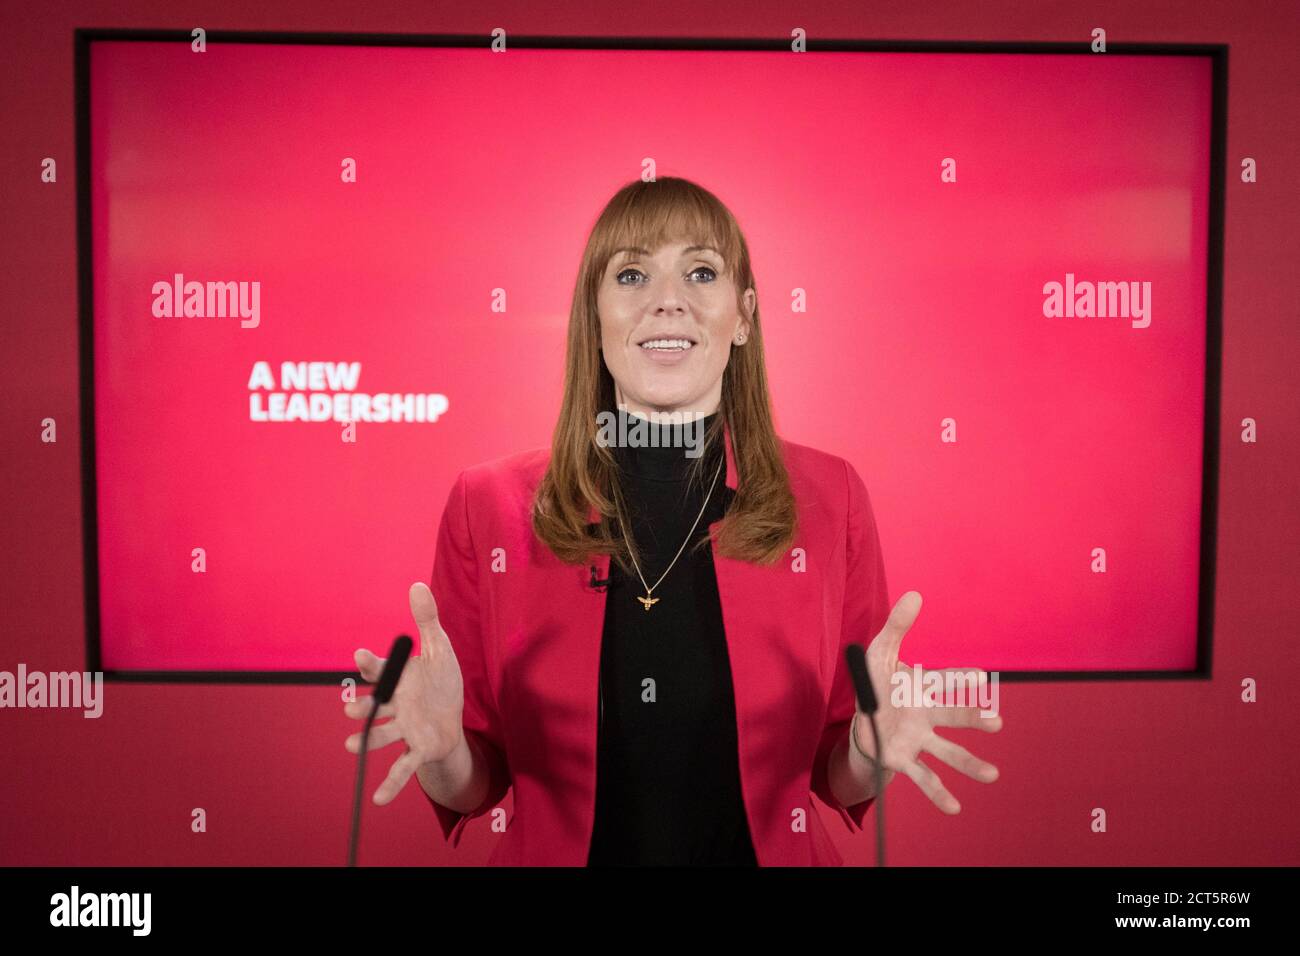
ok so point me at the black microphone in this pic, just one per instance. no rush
(397, 657)
(595, 584)
(393, 666)
(866, 694)
(857, 660)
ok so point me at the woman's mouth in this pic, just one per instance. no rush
(666, 351)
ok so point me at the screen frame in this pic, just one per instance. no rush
(83, 38)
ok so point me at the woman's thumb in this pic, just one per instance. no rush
(425, 611)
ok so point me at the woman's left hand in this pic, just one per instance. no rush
(907, 725)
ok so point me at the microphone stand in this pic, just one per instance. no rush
(866, 701)
(393, 666)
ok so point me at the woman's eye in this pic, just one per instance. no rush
(709, 277)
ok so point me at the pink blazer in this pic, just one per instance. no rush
(527, 629)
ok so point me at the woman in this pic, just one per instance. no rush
(642, 629)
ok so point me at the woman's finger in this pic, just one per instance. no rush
(972, 679)
(401, 772)
(968, 717)
(932, 786)
(368, 664)
(360, 708)
(381, 735)
(959, 758)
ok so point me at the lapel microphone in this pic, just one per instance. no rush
(397, 657)
(595, 584)
(857, 659)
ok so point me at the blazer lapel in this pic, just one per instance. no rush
(775, 625)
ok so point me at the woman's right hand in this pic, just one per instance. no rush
(426, 707)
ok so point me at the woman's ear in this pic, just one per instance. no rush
(747, 318)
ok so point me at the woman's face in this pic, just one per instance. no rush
(668, 320)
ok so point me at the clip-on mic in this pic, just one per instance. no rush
(857, 658)
(397, 656)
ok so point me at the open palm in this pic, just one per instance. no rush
(906, 725)
(427, 705)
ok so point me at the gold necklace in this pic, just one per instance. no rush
(647, 601)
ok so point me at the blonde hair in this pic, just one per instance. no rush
(759, 525)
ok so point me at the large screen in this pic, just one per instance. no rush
(325, 277)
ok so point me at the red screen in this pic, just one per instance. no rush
(907, 214)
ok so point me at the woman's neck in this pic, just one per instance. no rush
(661, 451)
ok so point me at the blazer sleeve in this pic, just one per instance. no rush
(455, 589)
(866, 609)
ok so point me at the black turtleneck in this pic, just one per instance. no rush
(668, 775)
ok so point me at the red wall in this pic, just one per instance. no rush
(1187, 773)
